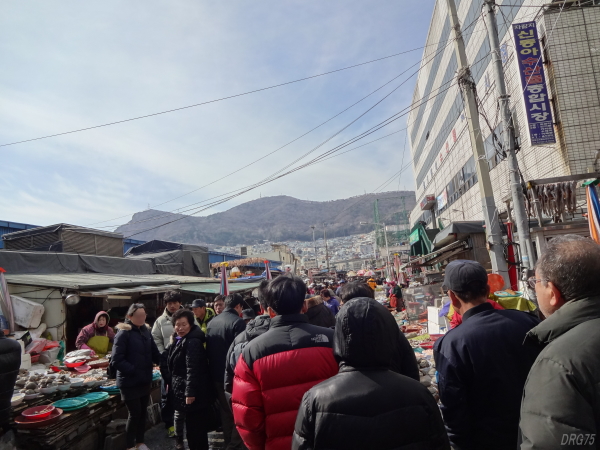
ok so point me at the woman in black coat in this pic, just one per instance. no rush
(133, 355)
(191, 384)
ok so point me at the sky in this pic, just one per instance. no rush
(69, 65)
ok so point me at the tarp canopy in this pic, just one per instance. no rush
(56, 228)
(157, 246)
(23, 262)
(458, 230)
(190, 260)
(215, 288)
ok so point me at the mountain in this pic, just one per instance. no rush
(278, 218)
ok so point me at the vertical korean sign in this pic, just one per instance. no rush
(533, 81)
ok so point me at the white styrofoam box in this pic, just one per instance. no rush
(26, 361)
(28, 314)
(435, 323)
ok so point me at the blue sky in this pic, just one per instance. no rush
(71, 64)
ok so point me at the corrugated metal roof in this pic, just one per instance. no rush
(215, 288)
(81, 281)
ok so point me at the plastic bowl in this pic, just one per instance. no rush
(17, 399)
(64, 387)
(31, 396)
(89, 383)
(38, 412)
(75, 382)
(48, 390)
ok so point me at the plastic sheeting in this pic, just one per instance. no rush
(46, 263)
(176, 262)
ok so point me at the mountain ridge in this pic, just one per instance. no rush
(276, 218)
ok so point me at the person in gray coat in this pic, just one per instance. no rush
(561, 402)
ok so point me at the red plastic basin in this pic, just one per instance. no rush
(38, 412)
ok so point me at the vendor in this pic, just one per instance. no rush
(97, 336)
(372, 283)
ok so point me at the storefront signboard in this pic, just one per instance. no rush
(533, 82)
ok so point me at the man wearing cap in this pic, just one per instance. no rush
(202, 313)
(482, 365)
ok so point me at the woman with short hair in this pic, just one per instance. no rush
(134, 353)
(191, 385)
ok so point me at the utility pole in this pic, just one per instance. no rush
(508, 142)
(387, 249)
(490, 213)
(315, 245)
(326, 248)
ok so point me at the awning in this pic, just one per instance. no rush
(439, 255)
(215, 288)
(445, 256)
(129, 291)
(458, 230)
(421, 239)
(94, 281)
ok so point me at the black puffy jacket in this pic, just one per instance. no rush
(321, 316)
(366, 405)
(188, 366)
(134, 351)
(254, 328)
(10, 361)
(220, 333)
(404, 360)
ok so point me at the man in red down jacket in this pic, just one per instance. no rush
(278, 367)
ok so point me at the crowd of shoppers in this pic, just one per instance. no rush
(293, 377)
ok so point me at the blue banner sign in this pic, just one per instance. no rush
(533, 81)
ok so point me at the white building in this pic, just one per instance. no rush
(441, 151)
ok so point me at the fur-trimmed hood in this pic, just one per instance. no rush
(124, 326)
(314, 301)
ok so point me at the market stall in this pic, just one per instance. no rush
(71, 406)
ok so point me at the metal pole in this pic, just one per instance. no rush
(508, 142)
(315, 244)
(326, 248)
(490, 213)
(387, 248)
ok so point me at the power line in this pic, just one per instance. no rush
(178, 210)
(268, 180)
(274, 151)
(212, 101)
(270, 177)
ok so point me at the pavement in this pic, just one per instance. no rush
(156, 438)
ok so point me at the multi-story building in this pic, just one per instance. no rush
(442, 155)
